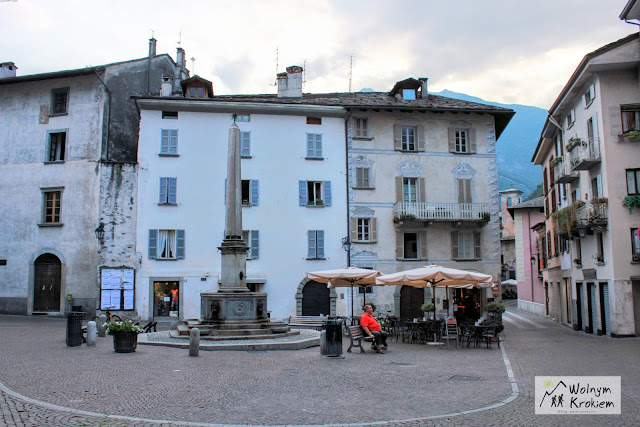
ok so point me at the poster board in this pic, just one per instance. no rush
(117, 289)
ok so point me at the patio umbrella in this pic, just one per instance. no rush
(509, 282)
(346, 277)
(436, 276)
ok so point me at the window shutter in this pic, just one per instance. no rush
(302, 193)
(592, 91)
(153, 244)
(454, 245)
(163, 191)
(366, 176)
(164, 144)
(423, 244)
(421, 191)
(179, 244)
(310, 145)
(255, 194)
(173, 141)
(477, 243)
(311, 243)
(397, 137)
(467, 191)
(452, 140)
(327, 193)
(472, 140)
(420, 132)
(172, 190)
(318, 145)
(373, 223)
(320, 242)
(599, 185)
(255, 244)
(245, 144)
(359, 177)
(460, 190)
(399, 245)
(594, 120)
(399, 196)
(354, 229)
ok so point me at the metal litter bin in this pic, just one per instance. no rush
(74, 328)
(333, 331)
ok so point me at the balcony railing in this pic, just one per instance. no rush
(585, 155)
(593, 213)
(563, 174)
(442, 211)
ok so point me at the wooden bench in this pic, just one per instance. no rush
(356, 336)
(308, 322)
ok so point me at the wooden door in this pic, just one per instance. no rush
(579, 306)
(411, 299)
(315, 299)
(46, 286)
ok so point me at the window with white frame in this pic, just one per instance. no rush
(168, 189)
(630, 117)
(59, 101)
(314, 146)
(362, 127)
(364, 229)
(589, 95)
(633, 182)
(57, 146)
(571, 118)
(314, 193)
(166, 244)
(245, 144)
(410, 190)
(408, 138)
(363, 177)
(252, 239)
(462, 140)
(169, 142)
(465, 245)
(635, 244)
(315, 244)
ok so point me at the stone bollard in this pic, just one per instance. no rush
(92, 333)
(101, 329)
(194, 342)
(323, 343)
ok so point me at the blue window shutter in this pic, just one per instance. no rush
(255, 244)
(245, 144)
(327, 193)
(173, 141)
(163, 191)
(318, 147)
(310, 145)
(172, 189)
(180, 244)
(302, 193)
(255, 195)
(320, 243)
(164, 145)
(153, 244)
(311, 244)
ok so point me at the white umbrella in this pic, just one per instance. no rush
(346, 277)
(509, 282)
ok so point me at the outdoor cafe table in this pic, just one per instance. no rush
(414, 328)
(478, 330)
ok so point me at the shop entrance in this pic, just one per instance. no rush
(166, 298)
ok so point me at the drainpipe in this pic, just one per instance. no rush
(108, 115)
(346, 151)
(530, 252)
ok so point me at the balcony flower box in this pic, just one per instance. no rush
(632, 202)
(632, 135)
(555, 160)
(574, 142)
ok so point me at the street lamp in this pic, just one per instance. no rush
(348, 247)
(100, 232)
(533, 260)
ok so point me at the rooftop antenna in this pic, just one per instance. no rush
(304, 71)
(152, 33)
(193, 65)
(180, 37)
(350, 71)
(275, 83)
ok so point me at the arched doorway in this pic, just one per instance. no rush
(411, 299)
(46, 284)
(315, 299)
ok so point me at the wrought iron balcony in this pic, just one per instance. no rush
(563, 174)
(593, 215)
(585, 154)
(441, 211)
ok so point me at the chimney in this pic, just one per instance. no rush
(7, 69)
(424, 91)
(290, 83)
(152, 47)
(180, 59)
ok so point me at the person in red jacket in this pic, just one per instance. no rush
(372, 329)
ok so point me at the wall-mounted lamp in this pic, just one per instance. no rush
(346, 244)
(100, 233)
(533, 260)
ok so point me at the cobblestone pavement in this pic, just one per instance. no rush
(42, 377)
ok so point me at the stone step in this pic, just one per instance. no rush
(175, 334)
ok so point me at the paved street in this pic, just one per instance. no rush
(46, 383)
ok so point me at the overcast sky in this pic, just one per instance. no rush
(510, 51)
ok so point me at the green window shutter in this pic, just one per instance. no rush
(255, 194)
(399, 245)
(171, 190)
(452, 140)
(302, 193)
(454, 245)
(153, 244)
(327, 193)
(374, 229)
(397, 137)
(399, 191)
(163, 191)
(311, 243)
(472, 140)
(354, 229)
(423, 245)
(164, 145)
(255, 244)
(420, 132)
(320, 243)
(179, 244)
(245, 144)
(477, 244)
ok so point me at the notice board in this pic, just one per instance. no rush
(117, 288)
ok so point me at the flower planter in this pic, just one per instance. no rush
(125, 342)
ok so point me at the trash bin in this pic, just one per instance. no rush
(74, 328)
(333, 331)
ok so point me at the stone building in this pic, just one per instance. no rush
(590, 161)
(68, 173)
(508, 198)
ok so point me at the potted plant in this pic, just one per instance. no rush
(632, 135)
(632, 202)
(573, 142)
(577, 262)
(555, 160)
(495, 309)
(486, 216)
(319, 202)
(428, 308)
(636, 257)
(125, 335)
